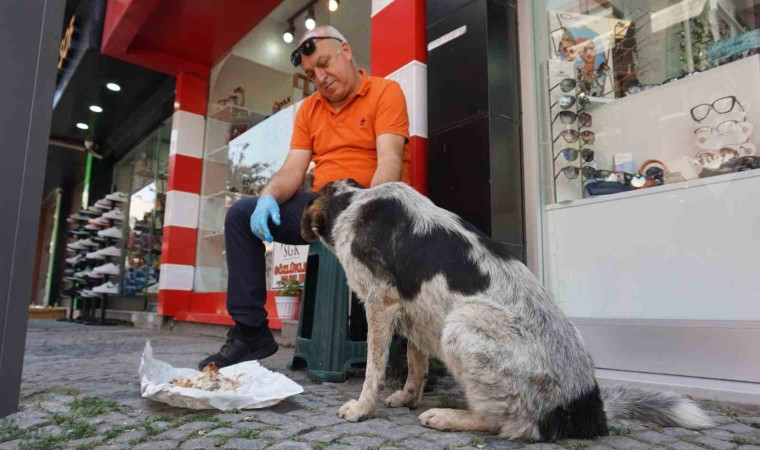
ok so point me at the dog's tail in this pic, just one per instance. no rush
(662, 408)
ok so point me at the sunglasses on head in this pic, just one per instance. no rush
(307, 47)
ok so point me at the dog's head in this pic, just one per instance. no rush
(319, 217)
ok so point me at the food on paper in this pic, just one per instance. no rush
(208, 380)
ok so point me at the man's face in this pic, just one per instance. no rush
(330, 68)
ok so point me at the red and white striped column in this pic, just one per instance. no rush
(183, 195)
(399, 53)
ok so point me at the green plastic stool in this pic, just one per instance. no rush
(324, 343)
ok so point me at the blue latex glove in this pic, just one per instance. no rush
(266, 207)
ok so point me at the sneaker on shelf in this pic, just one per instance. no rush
(76, 245)
(98, 239)
(68, 271)
(106, 288)
(118, 197)
(115, 214)
(75, 259)
(95, 275)
(104, 204)
(91, 214)
(100, 222)
(95, 255)
(71, 220)
(107, 269)
(78, 233)
(88, 242)
(113, 232)
(87, 293)
(96, 209)
(82, 273)
(70, 278)
(92, 228)
(110, 251)
(79, 216)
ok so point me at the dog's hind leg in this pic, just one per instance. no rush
(415, 379)
(380, 318)
(445, 419)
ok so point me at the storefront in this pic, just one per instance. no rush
(641, 188)
(620, 168)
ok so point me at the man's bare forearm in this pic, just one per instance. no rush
(390, 171)
(282, 186)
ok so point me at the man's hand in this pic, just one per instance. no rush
(266, 207)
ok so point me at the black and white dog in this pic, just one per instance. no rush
(459, 296)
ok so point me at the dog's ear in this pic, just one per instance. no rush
(313, 222)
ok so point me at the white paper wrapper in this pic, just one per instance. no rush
(259, 387)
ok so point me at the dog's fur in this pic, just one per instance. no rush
(459, 296)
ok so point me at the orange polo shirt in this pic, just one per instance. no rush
(344, 143)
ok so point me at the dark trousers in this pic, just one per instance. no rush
(246, 265)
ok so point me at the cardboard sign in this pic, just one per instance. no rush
(289, 263)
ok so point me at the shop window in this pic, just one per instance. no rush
(642, 94)
(142, 175)
(648, 151)
(253, 96)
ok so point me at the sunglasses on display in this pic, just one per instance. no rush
(590, 173)
(307, 48)
(565, 101)
(571, 136)
(566, 85)
(705, 133)
(571, 154)
(722, 105)
(569, 118)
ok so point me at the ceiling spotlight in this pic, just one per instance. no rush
(82, 126)
(287, 36)
(96, 108)
(114, 87)
(333, 5)
(310, 23)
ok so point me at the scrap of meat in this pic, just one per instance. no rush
(208, 380)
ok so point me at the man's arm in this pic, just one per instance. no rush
(289, 179)
(390, 157)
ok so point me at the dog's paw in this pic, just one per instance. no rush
(353, 411)
(438, 418)
(402, 398)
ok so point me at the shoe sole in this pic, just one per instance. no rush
(261, 354)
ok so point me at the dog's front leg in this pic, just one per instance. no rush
(415, 379)
(380, 317)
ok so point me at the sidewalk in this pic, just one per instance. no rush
(81, 391)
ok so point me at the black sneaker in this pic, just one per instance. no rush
(236, 350)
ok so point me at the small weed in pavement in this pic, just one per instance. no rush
(73, 426)
(246, 433)
(619, 431)
(113, 432)
(477, 442)
(10, 431)
(448, 401)
(573, 445)
(741, 440)
(89, 446)
(222, 440)
(93, 406)
(46, 442)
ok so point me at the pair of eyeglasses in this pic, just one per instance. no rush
(571, 154)
(569, 118)
(572, 136)
(566, 85)
(705, 133)
(307, 47)
(722, 105)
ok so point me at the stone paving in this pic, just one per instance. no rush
(81, 391)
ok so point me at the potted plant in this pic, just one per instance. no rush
(288, 298)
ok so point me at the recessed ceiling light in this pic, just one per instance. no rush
(333, 5)
(96, 108)
(114, 87)
(82, 126)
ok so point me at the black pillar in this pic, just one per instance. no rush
(30, 33)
